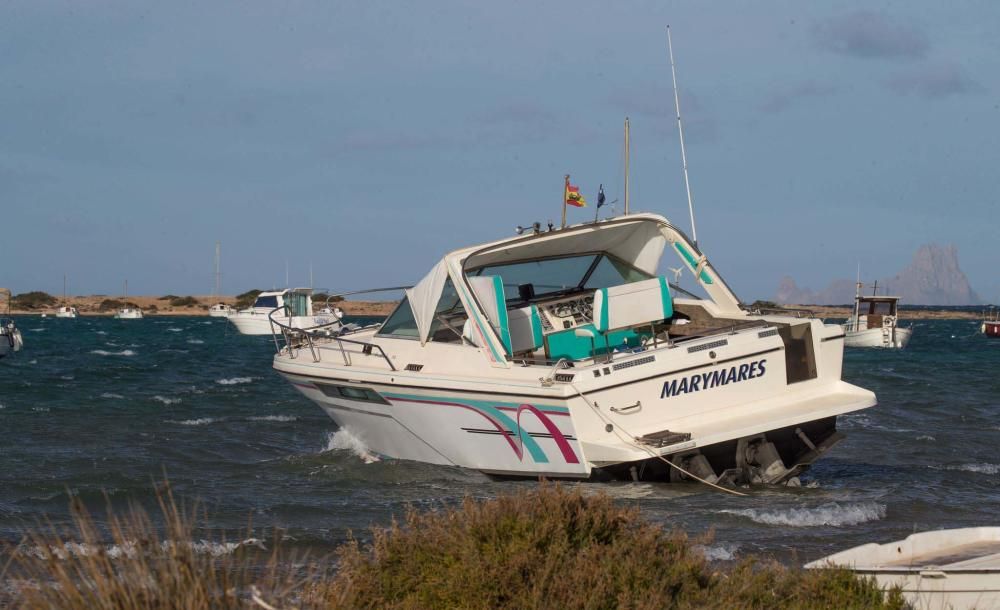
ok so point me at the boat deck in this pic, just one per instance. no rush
(985, 554)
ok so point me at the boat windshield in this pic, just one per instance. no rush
(564, 274)
(269, 302)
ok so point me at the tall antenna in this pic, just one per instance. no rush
(218, 273)
(626, 165)
(680, 130)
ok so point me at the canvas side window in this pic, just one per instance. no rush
(400, 323)
(449, 316)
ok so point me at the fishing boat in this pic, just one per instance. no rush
(220, 310)
(66, 311)
(292, 305)
(991, 323)
(562, 353)
(875, 322)
(10, 337)
(126, 312)
(944, 569)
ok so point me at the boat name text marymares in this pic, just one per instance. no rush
(713, 379)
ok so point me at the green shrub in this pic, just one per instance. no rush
(554, 548)
(113, 305)
(168, 297)
(35, 299)
(184, 302)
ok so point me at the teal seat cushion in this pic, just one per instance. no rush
(565, 343)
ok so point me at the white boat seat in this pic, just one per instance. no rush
(524, 329)
(632, 305)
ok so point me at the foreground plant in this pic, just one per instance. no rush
(549, 547)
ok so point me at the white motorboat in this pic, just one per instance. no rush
(293, 306)
(562, 353)
(875, 323)
(944, 569)
(126, 312)
(220, 310)
(66, 311)
(10, 337)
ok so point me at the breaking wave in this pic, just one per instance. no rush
(175, 330)
(234, 380)
(719, 552)
(343, 439)
(131, 549)
(111, 395)
(201, 421)
(273, 418)
(832, 514)
(104, 352)
(166, 401)
(195, 341)
(977, 468)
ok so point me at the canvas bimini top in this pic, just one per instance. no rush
(552, 261)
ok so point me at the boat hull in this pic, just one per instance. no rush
(129, 315)
(879, 337)
(260, 324)
(991, 329)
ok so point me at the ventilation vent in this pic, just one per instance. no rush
(414, 367)
(705, 346)
(564, 377)
(636, 362)
(767, 333)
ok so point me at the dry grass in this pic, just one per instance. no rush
(546, 548)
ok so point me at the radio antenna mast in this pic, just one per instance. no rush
(680, 130)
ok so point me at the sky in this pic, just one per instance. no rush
(366, 139)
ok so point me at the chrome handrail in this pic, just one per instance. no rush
(289, 333)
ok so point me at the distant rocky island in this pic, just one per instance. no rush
(932, 278)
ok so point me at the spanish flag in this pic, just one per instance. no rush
(573, 196)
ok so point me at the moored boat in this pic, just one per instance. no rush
(128, 312)
(220, 310)
(66, 311)
(10, 337)
(562, 353)
(991, 323)
(293, 306)
(875, 323)
(944, 569)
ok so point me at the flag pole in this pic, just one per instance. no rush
(565, 194)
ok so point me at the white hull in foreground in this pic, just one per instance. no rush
(249, 323)
(940, 570)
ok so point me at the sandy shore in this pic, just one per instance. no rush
(827, 311)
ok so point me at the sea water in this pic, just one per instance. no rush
(101, 410)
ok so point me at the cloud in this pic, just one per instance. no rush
(934, 81)
(871, 35)
(782, 99)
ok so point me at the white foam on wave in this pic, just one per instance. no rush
(201, 421)
(131, 549)
(166, 401)
(719, 552)
(832, 514)
(234, 380)
(195, 341)
(66, 377)
(111, 395)
(273, 418)
(101, 332)
(977, 468)
(926, 437)
(344, 440)
(175, 330)
(104, 352)
(37, 330)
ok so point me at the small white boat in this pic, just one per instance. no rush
(10, 337)
(220, 310)
(66, 311)
(292, 306)
(875, 323)
(958, 568)
(563, 353)
(126, 312)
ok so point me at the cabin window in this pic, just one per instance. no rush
(611, 271)
(562, 274)
(298, 303)
(449, 316)
(400, 323)
(269, 301)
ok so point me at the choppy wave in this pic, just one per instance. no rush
(273, 418)
(131, 548)
(201, 421)
(165, 400)
(37, 330)
(234, 380)
(831, 514)
(104, 352)
(980, 468)
(174, 329)
(344, 440)
(719, 552)
(111, 395)
(195, 341)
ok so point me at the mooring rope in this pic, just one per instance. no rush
(630, 441)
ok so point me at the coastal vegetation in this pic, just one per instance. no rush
(184, 302)
(36, 299)
(547, 547)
